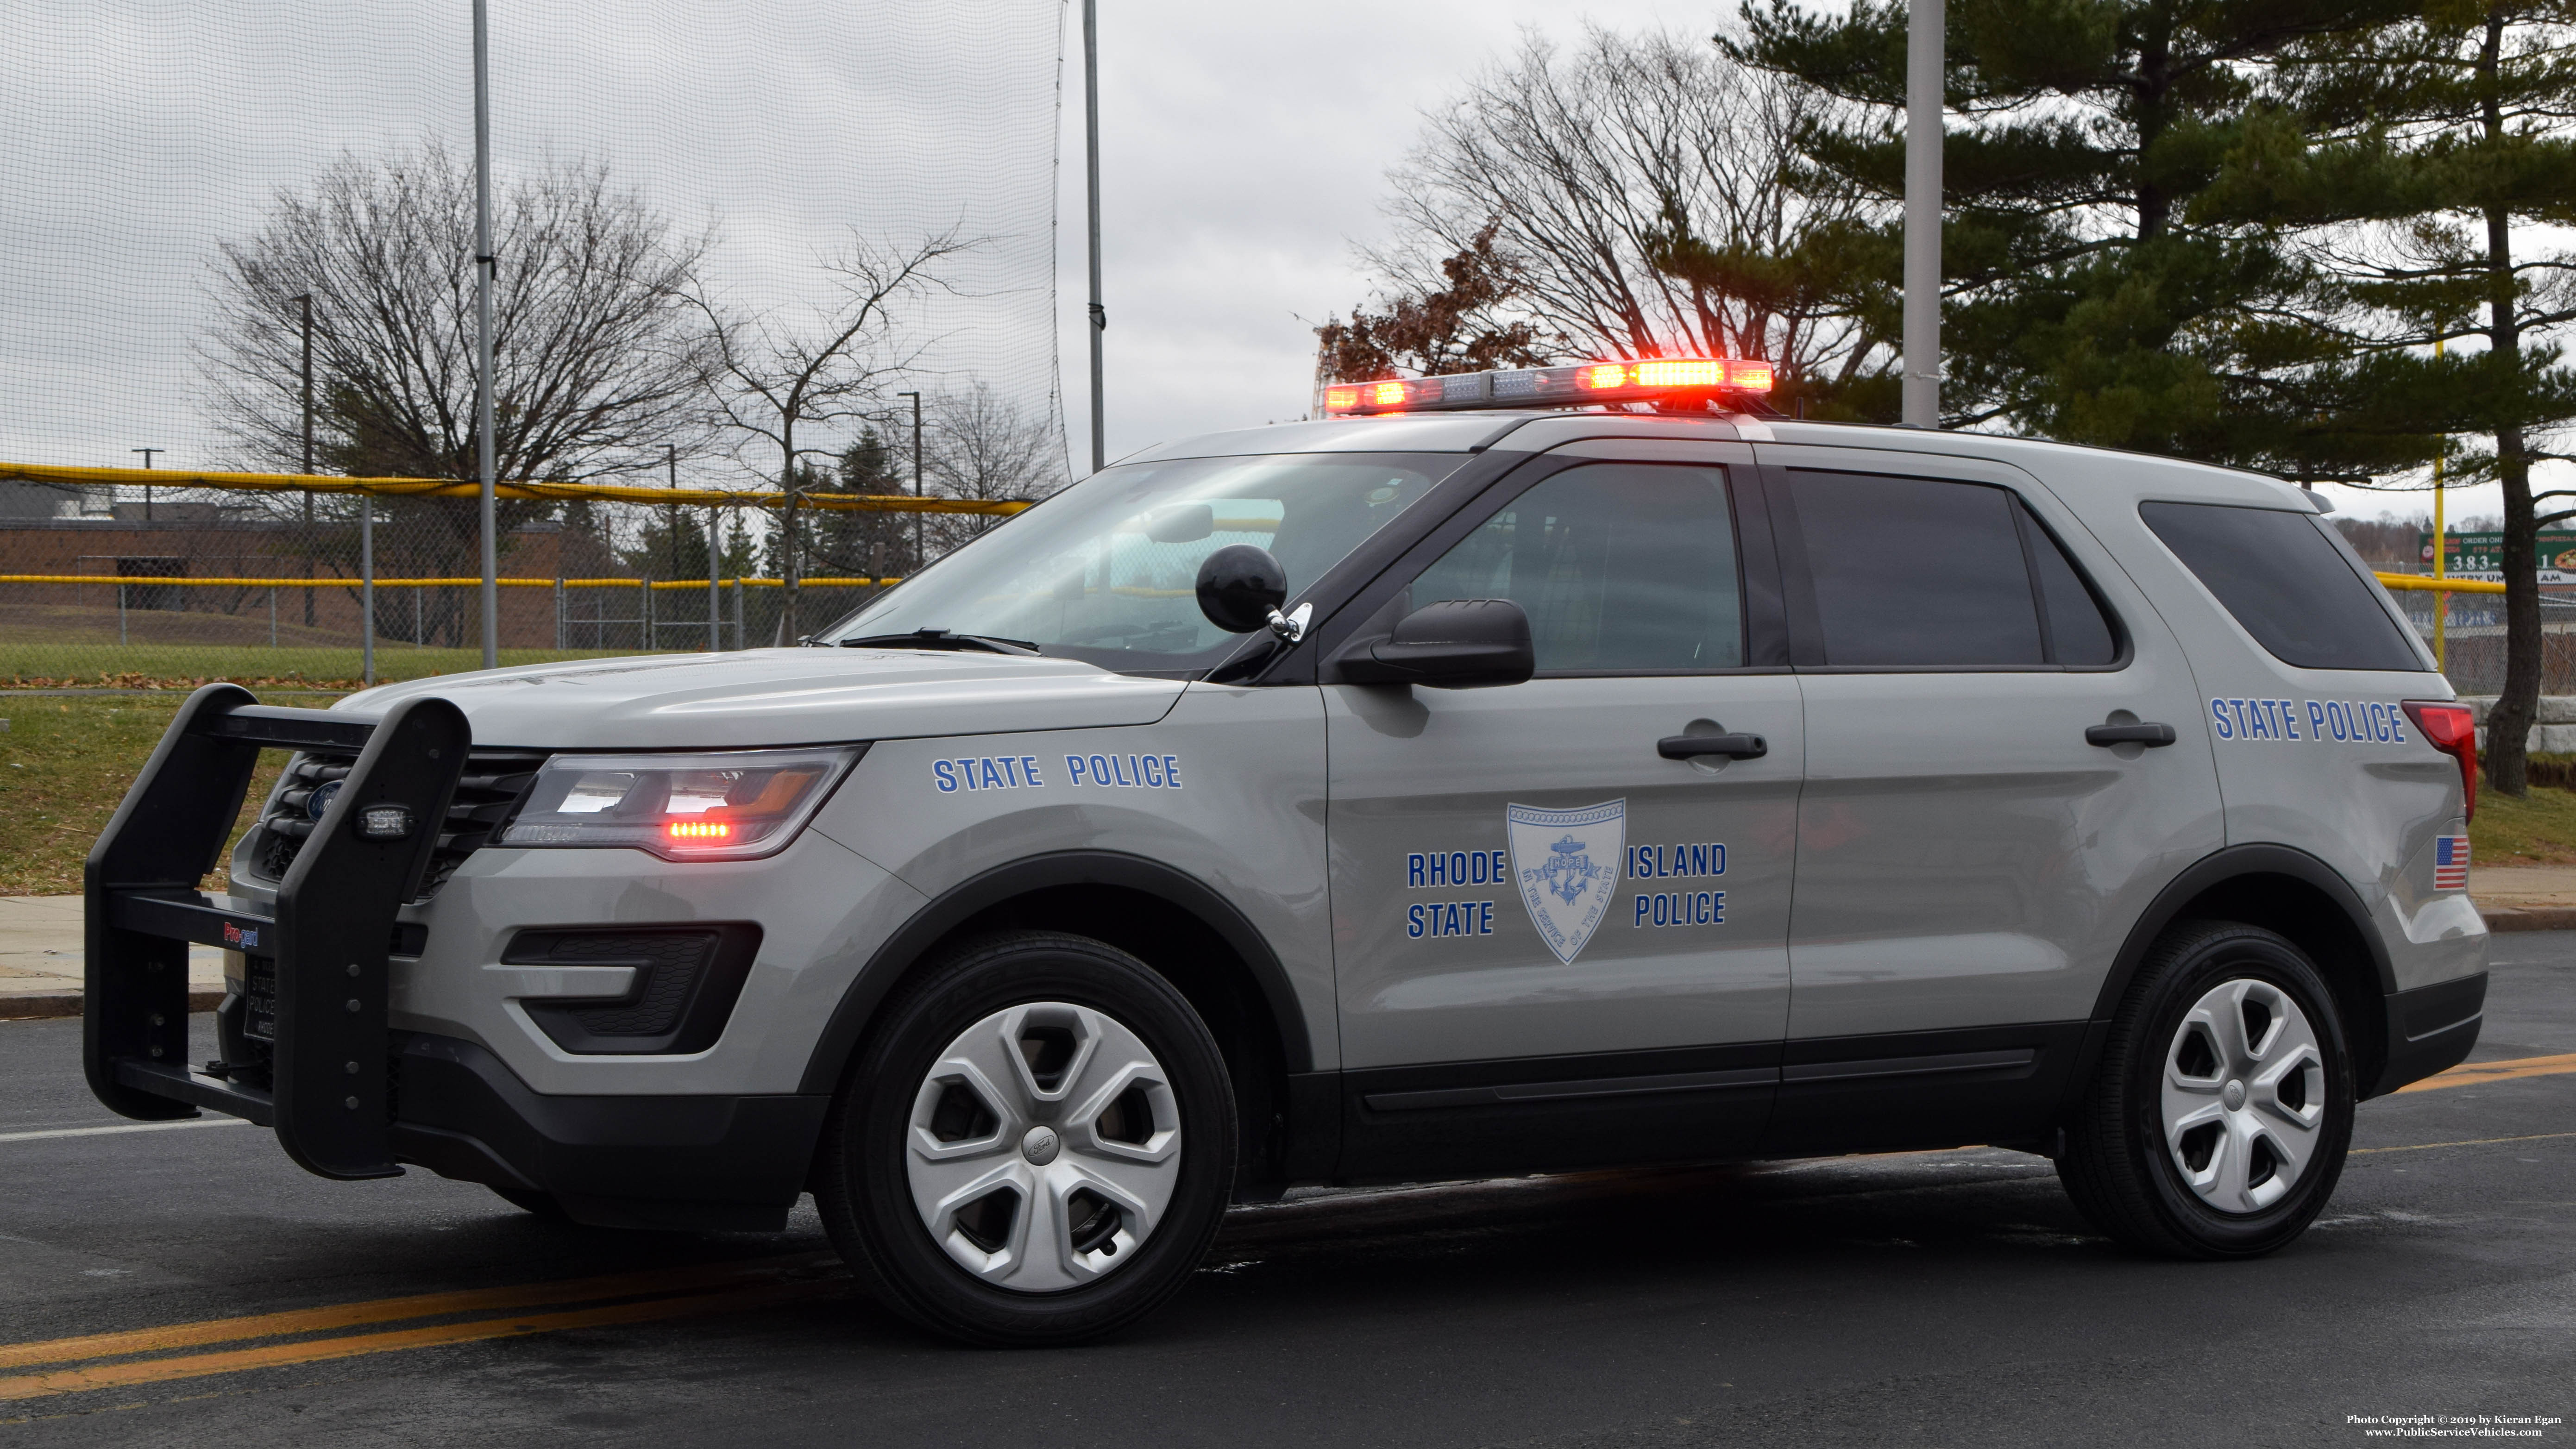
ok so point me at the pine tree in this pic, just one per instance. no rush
(2085, 300)
(2467, 150)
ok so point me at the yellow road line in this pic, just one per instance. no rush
(2471, 1142)
(2470, 1074)
(394, 1310)
(314, 1350)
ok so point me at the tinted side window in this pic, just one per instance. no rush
(2078, 635)
(1620, 566)
(2286, 582)
(1912, 571)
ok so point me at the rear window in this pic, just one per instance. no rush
(2287, 583)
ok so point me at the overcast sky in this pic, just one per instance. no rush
(1243, 149)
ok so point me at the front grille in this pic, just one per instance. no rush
(493, 782)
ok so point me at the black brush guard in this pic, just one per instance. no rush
(330, 936)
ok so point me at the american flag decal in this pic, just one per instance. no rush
(2451, 863)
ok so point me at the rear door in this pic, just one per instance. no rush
(1968, 863)
(1555, 946)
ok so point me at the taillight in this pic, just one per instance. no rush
(2451, 729)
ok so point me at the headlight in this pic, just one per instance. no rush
(680, 807)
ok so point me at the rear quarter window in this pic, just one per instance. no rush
(2287, 583)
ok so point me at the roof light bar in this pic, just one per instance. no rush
(1580, 385)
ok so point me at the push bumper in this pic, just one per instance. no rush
(325, 943)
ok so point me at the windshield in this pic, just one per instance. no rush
(1107, 570)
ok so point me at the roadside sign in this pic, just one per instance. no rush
(2481, 555)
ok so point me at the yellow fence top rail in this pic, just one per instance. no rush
(450, 488)
(2430, 584)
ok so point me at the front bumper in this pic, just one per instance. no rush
(714, 1162)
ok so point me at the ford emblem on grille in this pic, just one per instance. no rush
(321, 798)
(385, 822)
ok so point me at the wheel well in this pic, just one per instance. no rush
(2319, 926)
(1208, 972)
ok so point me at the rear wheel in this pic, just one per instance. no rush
(1034, 1145)
(2218, 1123)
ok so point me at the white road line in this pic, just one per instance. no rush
(130, 1127)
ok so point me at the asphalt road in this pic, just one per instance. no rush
(1938, 1298)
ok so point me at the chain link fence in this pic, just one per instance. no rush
(164, 586)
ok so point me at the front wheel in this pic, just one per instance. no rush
(1033, 1146)
(2218, 1123)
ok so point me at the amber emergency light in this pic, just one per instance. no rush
(1580, 385)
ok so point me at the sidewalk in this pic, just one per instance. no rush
(40, 960)
(2525, 897)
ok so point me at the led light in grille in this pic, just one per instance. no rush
(700, 830)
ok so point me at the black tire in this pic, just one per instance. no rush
(2118, 1165)
(861, 1182)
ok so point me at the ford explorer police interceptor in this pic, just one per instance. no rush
(1517, 772)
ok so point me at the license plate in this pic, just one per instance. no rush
(259, 998)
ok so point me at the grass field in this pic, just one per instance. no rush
(30, 665)
(64, 766)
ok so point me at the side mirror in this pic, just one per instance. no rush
(1240, 587)
(1453, 644)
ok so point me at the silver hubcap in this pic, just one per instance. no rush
(2244, 1095)
(1044, 1146)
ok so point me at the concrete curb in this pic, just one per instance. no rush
(40, 1005)
(2530, 918)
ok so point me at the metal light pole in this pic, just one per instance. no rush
(147, 488)
(917, 551)
(484, 276)
(1923, 76)
(306, 302)
(1091, 192)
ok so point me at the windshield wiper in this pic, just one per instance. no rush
(942, 639)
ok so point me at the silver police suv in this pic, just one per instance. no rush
(1482, 787)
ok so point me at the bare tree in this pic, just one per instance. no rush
(596, 359)
(1598, 169)
(984, 446)
(771, 378)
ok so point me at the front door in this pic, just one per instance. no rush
(1553, 943)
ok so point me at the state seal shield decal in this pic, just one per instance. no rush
(1566, 863)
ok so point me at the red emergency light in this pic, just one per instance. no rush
(1581, 385)
(700, 830)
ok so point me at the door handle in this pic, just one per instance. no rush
(2150, 735)
(1738, 747)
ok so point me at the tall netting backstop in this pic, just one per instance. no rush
(740, 250)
